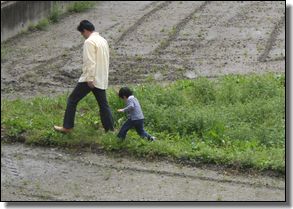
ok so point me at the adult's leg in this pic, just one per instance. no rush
(125, 128)
(138, 125)
(105, 111)
(79, 92)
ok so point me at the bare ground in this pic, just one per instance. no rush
(35, 174)
(164, 41)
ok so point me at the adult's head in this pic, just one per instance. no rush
(85, 27)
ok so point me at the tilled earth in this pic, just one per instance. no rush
(161, 41)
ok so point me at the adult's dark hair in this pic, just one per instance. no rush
(85, 25)
(125, 91)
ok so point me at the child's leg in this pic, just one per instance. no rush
(124, 129)
(138, 124)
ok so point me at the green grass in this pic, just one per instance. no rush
(80, 6)
(236, 121)
(4, 51)
(42, 24)
(55, 13)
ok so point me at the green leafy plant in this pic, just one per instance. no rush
(234, 120)
(80, 6)
(55, 13)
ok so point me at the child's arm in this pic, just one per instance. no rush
(129, 106)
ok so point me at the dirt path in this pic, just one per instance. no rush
(164, 41)
(33, 173)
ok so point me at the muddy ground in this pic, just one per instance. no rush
(33, 173)
(161, 41)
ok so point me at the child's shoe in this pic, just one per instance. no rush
(153, 138)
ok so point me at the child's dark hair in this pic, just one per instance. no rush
(85, 25)
(124, 91)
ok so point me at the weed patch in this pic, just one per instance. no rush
(234, 120)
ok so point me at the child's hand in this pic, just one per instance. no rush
(120, 110)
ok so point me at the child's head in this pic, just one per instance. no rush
(124, 92)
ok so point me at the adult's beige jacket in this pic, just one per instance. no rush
(95, 61)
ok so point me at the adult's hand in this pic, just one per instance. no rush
(91, 84)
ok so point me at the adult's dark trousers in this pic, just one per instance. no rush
(79, 92)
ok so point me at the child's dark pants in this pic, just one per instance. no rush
(137, 124)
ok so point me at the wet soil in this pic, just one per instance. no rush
(36, 174)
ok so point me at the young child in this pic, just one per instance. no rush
(135, 115)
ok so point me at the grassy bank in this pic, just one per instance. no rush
(236, 121)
